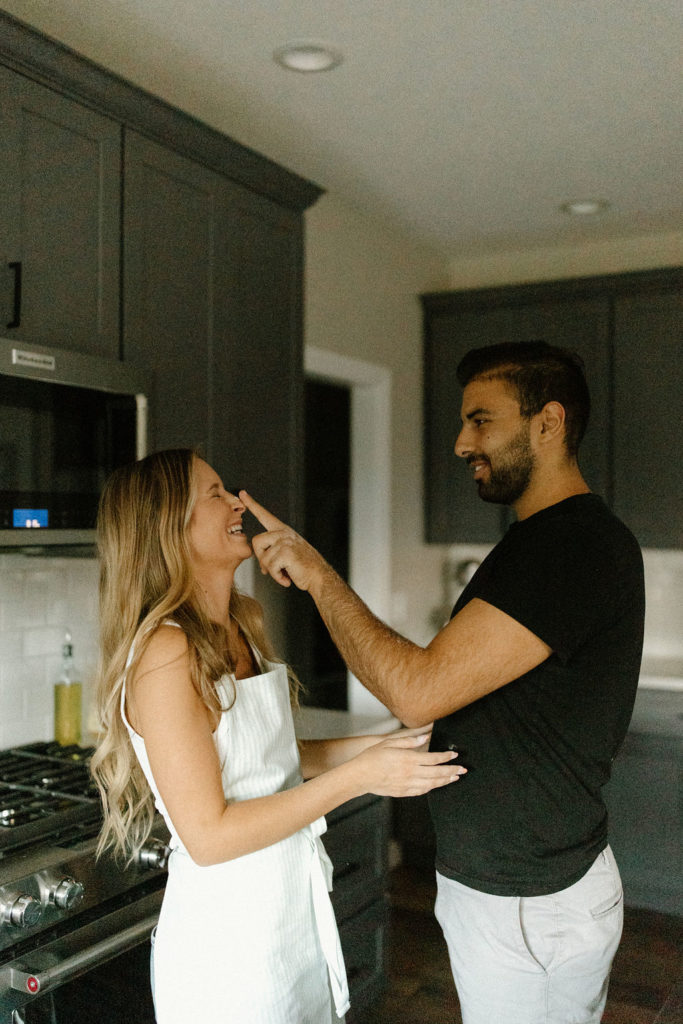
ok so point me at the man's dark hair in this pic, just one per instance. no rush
(539, 373)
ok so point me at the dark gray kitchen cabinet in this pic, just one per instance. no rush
(628, 329)
(170, 283)
(60, 212)
(644, 800)
(357, 843)
(257, 380)
(648, 415)
(212, 308)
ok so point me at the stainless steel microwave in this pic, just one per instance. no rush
(66, 421)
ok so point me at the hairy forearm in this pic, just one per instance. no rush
(386, 663)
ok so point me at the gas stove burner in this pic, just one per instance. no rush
(50, 774)
(19, 808)
(54, 750)
(46, 794)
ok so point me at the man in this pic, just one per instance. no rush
(533, 681)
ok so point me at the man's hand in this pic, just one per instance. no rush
(282, 553)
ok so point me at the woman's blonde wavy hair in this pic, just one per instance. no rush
(146, 578)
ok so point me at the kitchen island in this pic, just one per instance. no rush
(645, 795)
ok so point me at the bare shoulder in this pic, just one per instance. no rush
(161, 678)
(167, 644)
(166, 650)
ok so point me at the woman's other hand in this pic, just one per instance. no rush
(401, 765)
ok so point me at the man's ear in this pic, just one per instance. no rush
(551, 422)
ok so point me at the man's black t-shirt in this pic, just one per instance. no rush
(528, 818)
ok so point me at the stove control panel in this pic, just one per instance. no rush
(20, 909)
(67, 893)
(154, 855)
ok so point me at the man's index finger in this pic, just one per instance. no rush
(265, 518)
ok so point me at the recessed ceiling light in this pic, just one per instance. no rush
(307, 55)
(585, 207)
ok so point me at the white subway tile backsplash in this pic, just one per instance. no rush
(40, 598)
(11, 644)
(43, 640)
(12, 697)
(664, 609)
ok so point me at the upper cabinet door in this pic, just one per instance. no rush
(168, 286)
(257, 360)
(60, 216)
(648, 421)
(454, 511)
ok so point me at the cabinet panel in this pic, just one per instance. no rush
(257, 361)
(60, 213)
(357, 844)
(648, 366)
(644, 798)
(363, 940)
(454, 511)
(169, 271)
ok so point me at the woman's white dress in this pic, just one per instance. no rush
(252, 940)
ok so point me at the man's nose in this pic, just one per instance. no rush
(462, 446)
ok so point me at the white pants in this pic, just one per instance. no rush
(534, 959)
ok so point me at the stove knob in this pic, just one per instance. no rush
(24, 912)
(154, 855)
(67, 894)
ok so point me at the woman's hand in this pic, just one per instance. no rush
(401, 765)
(420, 730)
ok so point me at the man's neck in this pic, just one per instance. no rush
(549, 488)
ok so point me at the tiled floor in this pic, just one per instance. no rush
(646, 985)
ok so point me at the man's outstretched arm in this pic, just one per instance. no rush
(480, 650)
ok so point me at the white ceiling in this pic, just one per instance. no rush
(468, 121)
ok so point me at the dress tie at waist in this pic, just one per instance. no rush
(321, 883)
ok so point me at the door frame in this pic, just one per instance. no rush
(370, 497)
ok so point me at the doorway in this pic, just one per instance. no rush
(367, 390)
(327, 489)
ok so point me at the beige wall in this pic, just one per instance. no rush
(613, 257)
(363, 283)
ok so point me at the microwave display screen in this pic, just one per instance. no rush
(30, 517)
(58, 444)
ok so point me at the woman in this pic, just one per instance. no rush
(196, 718)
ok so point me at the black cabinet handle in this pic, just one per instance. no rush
(16, 319)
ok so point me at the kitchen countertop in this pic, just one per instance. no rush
(326, 723)
(658, 712)
(661, 674)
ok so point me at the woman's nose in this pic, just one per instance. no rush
(235, 502)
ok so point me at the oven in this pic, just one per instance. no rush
(74, 931)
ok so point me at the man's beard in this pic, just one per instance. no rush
(510, 476)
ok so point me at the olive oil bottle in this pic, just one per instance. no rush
(68, 696)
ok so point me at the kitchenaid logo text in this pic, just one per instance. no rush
(36, 360)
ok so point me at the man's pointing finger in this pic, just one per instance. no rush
(265, 518)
